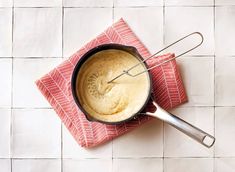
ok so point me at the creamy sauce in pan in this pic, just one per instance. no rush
(115, 101)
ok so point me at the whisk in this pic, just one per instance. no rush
(127, 71)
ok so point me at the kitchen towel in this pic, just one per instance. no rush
(168, 89)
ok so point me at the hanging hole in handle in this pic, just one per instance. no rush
(208, 141)
(196, 38)
(198, 34)
(162, 50)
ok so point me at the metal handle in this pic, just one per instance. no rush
(190, 130)
(141, 62)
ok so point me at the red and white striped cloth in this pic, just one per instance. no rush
(168, 89)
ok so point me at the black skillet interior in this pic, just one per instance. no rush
(129, 49)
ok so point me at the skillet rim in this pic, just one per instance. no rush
(130, 49)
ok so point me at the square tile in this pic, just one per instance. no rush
(224, 30)
(6, 3)
(6, 79)
(177, 144)
(37, 32)
(36, 133)
(133, 3)
(5, 124)
(224, 2)
(180, 21)
(138, 165)
(36, 165)
(5, 165)
(71, 149)
(188, 165)
(198, 77)
(149, 137)
(37, 3)
(225, 81)
(25, 73)
(5, 32)
(224, 164)
(224, 131)
(88, 3)
(77, 29)
(87, 165)
(189, 2)
(147, 23)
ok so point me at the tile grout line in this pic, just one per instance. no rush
(37, 57)
(62, 28)
(144, 157)
(168, 157)
(62, 51)
(113, 12)
(152, 6)
(12, 66)
(27, 108)
(163, 123)
(214, 85)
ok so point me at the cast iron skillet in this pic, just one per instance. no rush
(190, 130)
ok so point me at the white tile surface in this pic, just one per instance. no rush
(138, 165)
(5, 32)
(36, 165)
(225, 81)
(37, 32)
(224, 2)
(25, 73)
(188, 165)
(133, 3)
(6, 3)
(189, 2)
(198, 77)
(224, 130)
(146, 141)
(88, 3)
(177, 144)
(224, 164)
(36, 133)
(141, 22)
(181, 21)
(5, 123)
(37, 3)
(76, 24)
(87, 165)
(71, 149)
(6, 79)
(224, 30)
(5, 165)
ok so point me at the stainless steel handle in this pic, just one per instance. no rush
(190, 130)
(159, 64)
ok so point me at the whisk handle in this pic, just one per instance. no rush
(159, 64)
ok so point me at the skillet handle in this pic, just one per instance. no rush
(190, 130)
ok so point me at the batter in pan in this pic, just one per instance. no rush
(116, 100)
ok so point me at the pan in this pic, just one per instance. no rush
(157, 112)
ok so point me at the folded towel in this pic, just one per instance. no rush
(168, 89)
